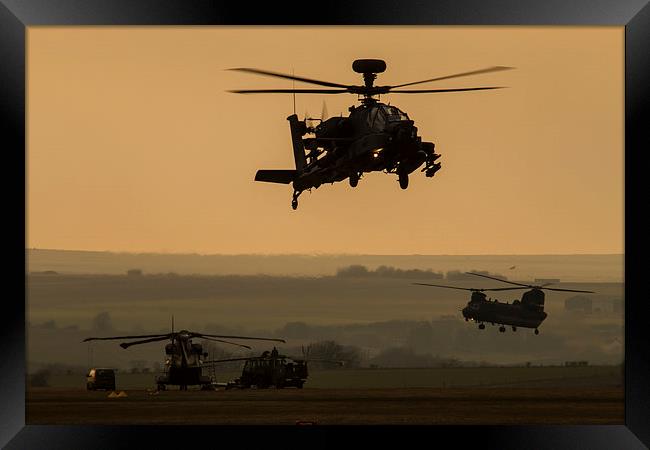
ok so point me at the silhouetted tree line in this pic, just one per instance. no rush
(361, 271)
(358, 270)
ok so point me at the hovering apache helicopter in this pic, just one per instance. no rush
(375, 136)
(183, 363)
(527, 313)
(272, 369)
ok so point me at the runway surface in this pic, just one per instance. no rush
(418, 406)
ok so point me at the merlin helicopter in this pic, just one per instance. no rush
(183, 364)
(374, 137)
(272, 369)
(526, 313)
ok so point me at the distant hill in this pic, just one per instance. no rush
(581, 268)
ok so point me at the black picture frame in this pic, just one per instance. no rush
(16, 15)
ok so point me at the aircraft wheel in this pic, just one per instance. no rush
(502, 329)
(536, 331)
(481, 326)
(514, 328)
(403, 180)
(294, 204)
(354, 179)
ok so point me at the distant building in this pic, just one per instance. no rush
(576, 363)
(579, 303)
(618, 306)
(547, 280)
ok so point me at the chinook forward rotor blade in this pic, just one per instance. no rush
(289, 77)
(456, 75)
(498, 279)
(145, 341)
(289, 91)
(468, 289)
(237, 337)
(226, 342)
(123, 337)
(424, 91)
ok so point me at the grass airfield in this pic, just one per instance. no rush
(535, 395)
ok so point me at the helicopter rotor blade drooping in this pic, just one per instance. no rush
(530, 286)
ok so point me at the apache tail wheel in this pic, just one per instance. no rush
(294, 204)
(536, 331)
(403, 180)
(354, 179)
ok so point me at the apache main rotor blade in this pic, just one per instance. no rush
(237, 337)
(464, 74)
(289, 91)
(145, 341)
(226, 342)
(123, 337)
(289, 77)
(424, 91)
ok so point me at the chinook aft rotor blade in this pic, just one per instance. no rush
(289, 77)
(530, 286)
(124, 337)
(226, 342)
(424, 91)
(566, 290)
(145, 341)
(468, 289)
(237, 337)
(456, 75)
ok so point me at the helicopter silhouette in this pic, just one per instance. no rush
(272, 369)
(183, 365)
(374, 137)
(526, 313)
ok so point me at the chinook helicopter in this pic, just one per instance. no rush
(527, 313)
(183, 363)
(374, 137)
(271, 369)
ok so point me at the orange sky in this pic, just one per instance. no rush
(134, 145)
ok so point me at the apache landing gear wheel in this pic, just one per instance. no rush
(354, 179)
(403, 180)
(294, 201)
(514, 328)
(502, 329)
(536, 331)
(481, 326)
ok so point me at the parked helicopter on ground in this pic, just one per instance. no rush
(183, 363)
(527, 313)
(271, 369)
(375, 136)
